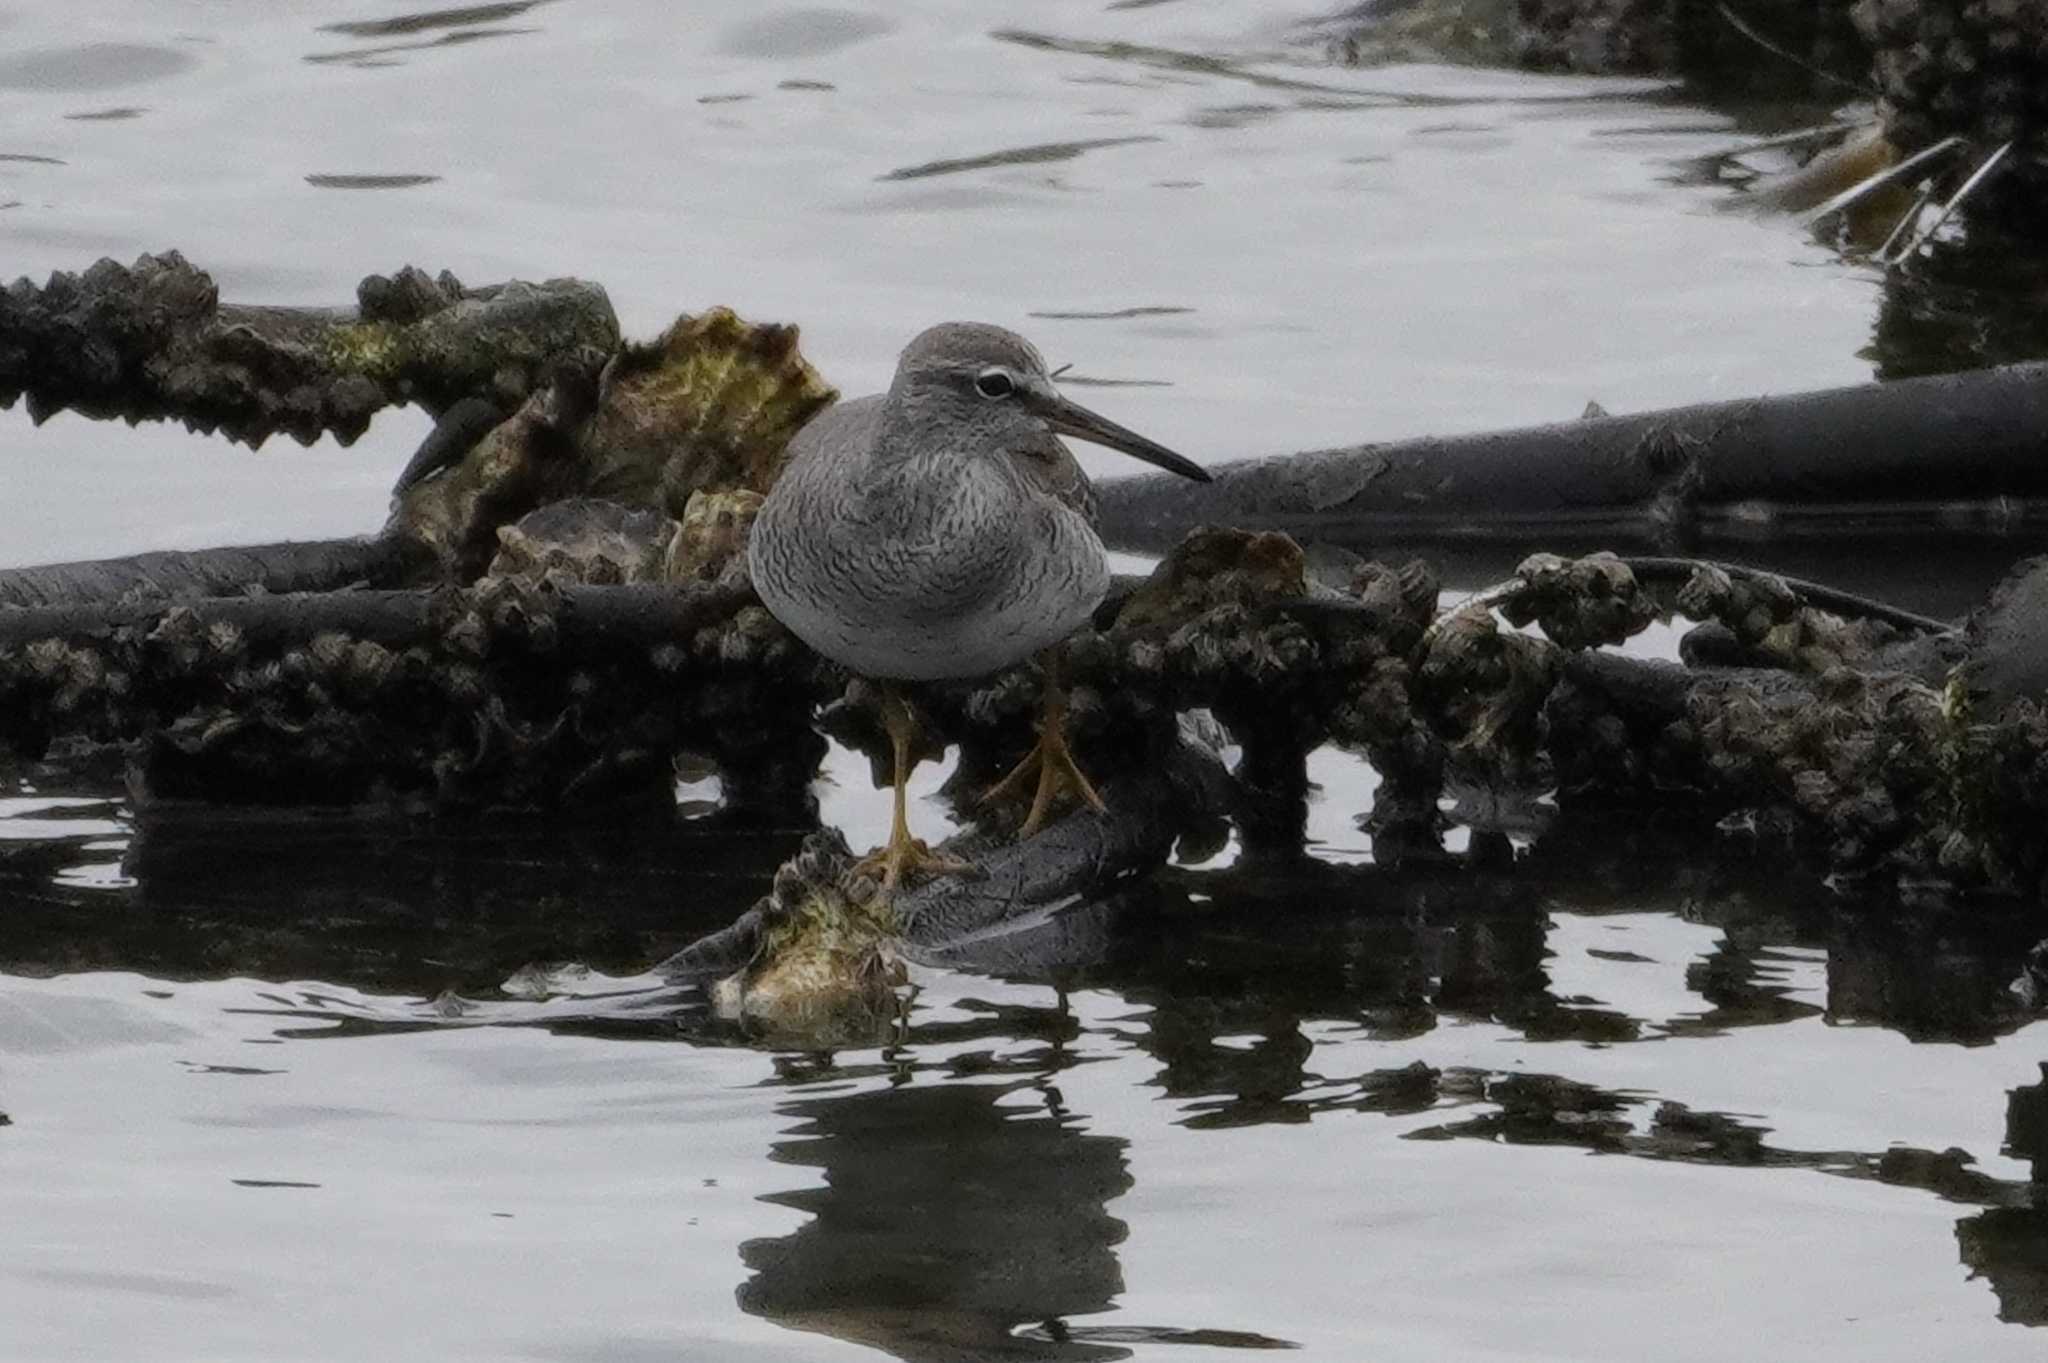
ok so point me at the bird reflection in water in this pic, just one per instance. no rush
(951, 1215)
(958, 1222)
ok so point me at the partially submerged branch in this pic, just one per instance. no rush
(153, 341)
(816, 960)
(180, 575)
(505, 695)
(1935, 451)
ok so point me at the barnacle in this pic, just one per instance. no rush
(1976, 68)
(826, 973)
(584, 539)
(710, 404)
(714, 530)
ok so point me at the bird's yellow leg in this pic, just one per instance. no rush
(1050, 763)
(903, 855)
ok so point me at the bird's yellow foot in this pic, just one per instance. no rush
(1050, 764)
(904, 857)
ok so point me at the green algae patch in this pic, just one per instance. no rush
(372, 349)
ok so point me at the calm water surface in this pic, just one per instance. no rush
(292, 1087)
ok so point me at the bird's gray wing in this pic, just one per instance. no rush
(1050, 466)
(841, 434)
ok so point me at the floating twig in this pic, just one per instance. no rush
(1926, 234)
(1819, 132)
(1907, 220)
(1881, 178)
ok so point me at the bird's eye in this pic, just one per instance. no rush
(994, 383)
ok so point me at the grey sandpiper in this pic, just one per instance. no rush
(942, 529)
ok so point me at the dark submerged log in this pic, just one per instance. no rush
(505, 695)
(643, 615)
(817, 962)
(1958, 450)
(153, 341)
(294, 566)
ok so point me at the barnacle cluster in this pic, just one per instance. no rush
(710, 404)
(509, 693)
(534, 690)
(1974, 68)
(1686, 37)
(152, 340)
(690, 429)
(825, 973)
(1765, 623)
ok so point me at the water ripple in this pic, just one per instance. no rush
(1014, 156)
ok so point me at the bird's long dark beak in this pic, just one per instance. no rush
(1071, 418)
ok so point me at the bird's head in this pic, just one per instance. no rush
(988, 383)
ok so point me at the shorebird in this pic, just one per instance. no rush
(940, 530)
